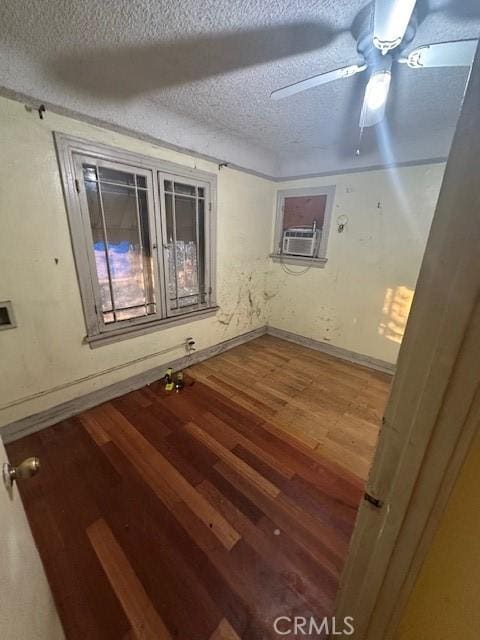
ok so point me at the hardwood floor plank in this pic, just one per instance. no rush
(137, 520)
(224, 631)
(59, 506)
(95, 429)
(178, 543)
(145, 621)
(288, 451)
(330, 511)
(233, 461)
(285, 518)
(147, 416)
(268, 549)
(171, 485)
(148, 425)
(205, 514)
(228, 436)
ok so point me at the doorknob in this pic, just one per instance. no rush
(26, 469)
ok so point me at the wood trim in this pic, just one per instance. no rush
(52, 415)
(332, 350)
(70, 147)
(148, 327)
(75, 144)
(433, 408)
(435, 455)
(97, 374)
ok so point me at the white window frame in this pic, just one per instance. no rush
(71, 151)
(320, 258)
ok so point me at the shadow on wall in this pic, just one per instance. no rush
(396, 308)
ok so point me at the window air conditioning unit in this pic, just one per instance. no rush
(300, 241)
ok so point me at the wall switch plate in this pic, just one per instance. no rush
(7, 318)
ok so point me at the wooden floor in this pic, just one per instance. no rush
(208, 513)
(331, 406)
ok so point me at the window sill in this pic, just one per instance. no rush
(318, 263)
(125, 333)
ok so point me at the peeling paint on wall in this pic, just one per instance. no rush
(344, 303)
(248, 307)
(47, 349)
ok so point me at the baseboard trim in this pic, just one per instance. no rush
(36, 422)
(330, 349)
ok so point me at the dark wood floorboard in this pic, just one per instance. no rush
(205, 514)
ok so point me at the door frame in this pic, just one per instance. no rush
(433, 411)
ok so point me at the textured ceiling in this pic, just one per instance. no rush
(198, 74)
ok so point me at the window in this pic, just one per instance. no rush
(143, 238)
(302, 225)
(184, 204)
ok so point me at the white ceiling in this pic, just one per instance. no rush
(198, 73)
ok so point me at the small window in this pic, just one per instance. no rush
(302, 225)
(142, 235)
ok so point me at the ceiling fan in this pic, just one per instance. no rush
(393, 29)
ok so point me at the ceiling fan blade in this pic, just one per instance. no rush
(315, 81)
(459, 53)
(375, 99)
(391, 20)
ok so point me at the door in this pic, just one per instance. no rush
(434, 408)
(27, 609)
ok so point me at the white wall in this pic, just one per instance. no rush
(360, 299)
(46, 349)
(356, 302)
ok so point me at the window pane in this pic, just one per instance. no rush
(122, 247)
(168, 185)
(141, 182)
(186, 189)
(96, 224)
(172, 280)
(125, 253)
(201, 249)
(148, 263)
(187, 264)
(201, 192)
(185, 250)
(89, 172)
(304, 211)
(128, 314)
(120, 177)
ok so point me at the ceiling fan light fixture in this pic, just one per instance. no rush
(391, 20)
(377, 89)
